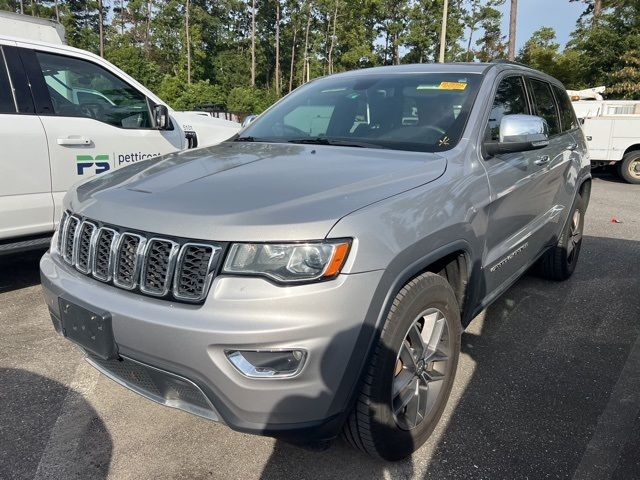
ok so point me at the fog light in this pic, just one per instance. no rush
(267, 363)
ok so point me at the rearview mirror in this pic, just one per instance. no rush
(248, 119)
(520, 133)
(161, 117)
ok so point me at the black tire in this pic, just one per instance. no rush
(629, 167)
(372, 426)
(559, 262)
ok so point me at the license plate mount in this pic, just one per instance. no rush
(88, 327)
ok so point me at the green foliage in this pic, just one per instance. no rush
(148, 40)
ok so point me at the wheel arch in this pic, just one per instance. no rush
(455, 261)
(633, 148)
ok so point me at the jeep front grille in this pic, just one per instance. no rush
(140, 262)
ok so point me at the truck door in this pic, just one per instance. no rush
(518, 210)
(26, 204)
(95, 121)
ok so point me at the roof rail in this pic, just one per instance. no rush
(510, 62)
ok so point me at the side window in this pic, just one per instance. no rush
(82, 89)
(545, 105)
(7, 105)
(510, 99)
(567, 115)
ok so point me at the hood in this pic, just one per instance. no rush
(251, 191)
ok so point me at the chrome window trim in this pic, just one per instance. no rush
(76, 247)
(138, 259)
(171, 266)
(215, 250)
(114, 240)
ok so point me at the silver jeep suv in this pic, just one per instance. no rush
(311, 276)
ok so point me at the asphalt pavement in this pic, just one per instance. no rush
(548, 386)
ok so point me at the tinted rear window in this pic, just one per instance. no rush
(6, 98)
(545, 104)
(567, 114)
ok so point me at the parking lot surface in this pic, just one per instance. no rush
(548, 386)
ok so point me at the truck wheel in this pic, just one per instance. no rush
(629, 167)
(410, 375)
(559, 262)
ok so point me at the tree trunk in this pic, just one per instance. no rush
(253, 43)
(305, 65)
(21, 7)
(188, 41)
(472, 29)
(147, 31)
(278, 80)
(101, 27)
(443, 32)
(333, 38)
(512, 29)
(55, 4)
(597, 8)
(293, 59)
(33, 12)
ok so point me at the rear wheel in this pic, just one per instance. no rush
(629, 167)
(411, 372)
(559, 262)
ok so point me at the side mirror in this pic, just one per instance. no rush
(161, 117)
(248, 120)
(520, 133)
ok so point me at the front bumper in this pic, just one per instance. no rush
(189, 341)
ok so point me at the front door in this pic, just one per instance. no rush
(95, 121)
(519, 210)
(26, 206)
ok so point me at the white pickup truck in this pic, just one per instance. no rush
(66, 114)
(612, 129)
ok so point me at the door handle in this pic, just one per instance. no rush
(572, 147)
(74, 141)
(543, 160)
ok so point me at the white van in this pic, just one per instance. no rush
(66, 114)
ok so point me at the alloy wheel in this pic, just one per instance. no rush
(421, 369)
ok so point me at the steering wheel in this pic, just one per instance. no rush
(92, 110)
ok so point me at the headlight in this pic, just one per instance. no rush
(288, 262)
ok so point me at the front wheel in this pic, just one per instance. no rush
(629, 167)
(411, 372)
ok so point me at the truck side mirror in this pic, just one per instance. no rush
(520, 133)
(161, 117)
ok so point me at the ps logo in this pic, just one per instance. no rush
(101, 163)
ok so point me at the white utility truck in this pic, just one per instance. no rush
(67, 114)
(612, 128)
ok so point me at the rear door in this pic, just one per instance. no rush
(94, 120)
(519, 209)
(563, 163)
(26, 205)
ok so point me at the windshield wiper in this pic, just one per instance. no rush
(245, 139)
(335, 142)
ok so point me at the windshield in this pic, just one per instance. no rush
(417, 112)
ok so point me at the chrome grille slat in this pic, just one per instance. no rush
(127, 262)
(150, 265)
(101, 261)
(82, 250)
(158, 264)
(68, 241)
(61, 226)
(193, 273)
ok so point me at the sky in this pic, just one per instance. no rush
(561, 15)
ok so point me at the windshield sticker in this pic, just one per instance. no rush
(444, 141)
